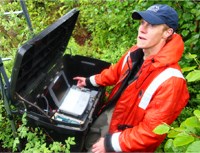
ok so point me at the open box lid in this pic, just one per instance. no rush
(37, 56)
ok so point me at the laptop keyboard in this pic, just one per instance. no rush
(75, 102)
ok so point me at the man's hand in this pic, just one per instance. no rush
(81, 81)
(99, 147)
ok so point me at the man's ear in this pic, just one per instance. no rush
(168, 33)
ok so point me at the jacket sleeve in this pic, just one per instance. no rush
(166, 104)
(111, 75)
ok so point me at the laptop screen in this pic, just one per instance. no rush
(58, 88)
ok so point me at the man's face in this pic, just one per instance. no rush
(149, 36)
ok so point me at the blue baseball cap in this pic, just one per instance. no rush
(158, 14)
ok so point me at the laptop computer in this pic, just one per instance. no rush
(70, 100)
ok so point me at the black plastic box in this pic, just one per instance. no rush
(36, 64)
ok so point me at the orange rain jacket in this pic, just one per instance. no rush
(164, 106)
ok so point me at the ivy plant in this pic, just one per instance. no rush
(185, 138)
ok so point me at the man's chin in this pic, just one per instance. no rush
(139, 45)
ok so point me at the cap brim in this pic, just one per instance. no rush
(147, 16)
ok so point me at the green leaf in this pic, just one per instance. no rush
(187, 69)
(68, 146)
(194, 147)
(185, 33)
(193, 76)
(15, 144)
(162, 129)
(67, 150)
(168, 146)
(173, 133)
(191, 56)
(197, 114)
(192, 122)
(182, 140)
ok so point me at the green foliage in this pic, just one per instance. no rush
(194, 73)
(162, 129)
(193, 76)
(6, 136)
(36, 140)
(190, 30)
(183, 138)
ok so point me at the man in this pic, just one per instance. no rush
(149, 87)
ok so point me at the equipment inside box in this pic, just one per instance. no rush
(73, 102)
(42, 82)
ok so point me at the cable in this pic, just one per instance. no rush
(38, 108)
(47, 102)
(22, 102)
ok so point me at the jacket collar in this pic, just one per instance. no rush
(171, 53)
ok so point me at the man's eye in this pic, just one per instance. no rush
(152, 25)
(142, 22)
